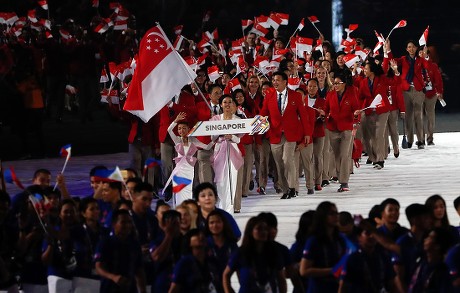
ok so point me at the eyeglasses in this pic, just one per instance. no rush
(338, 83)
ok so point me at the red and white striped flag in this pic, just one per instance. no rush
(265, 42)
(293, 83)
(303, 45)
(8, 18)
(401, 23)
(120, 25)
(259, 30)
(101, 28)
(31, 16)
(245, 23)
(284, 18)
(43, 4)
(313, 19)
(301, 24)
(178, 29)
(424, 38)
(350, 59)
(213, 73)
(152, 86)
(95, 3)
(232, 86)
(178, 42)
(262, 20)
(48, 35)
(274, 21)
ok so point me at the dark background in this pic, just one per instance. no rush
(105, 135)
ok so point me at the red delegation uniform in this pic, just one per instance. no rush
(395, 92)
(320, 103)
(379, 87)
(341, 117)
(433, 74)
(420, 63)
(288, 123)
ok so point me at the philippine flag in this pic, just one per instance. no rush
(152, 162)
(109, 175)
(10, 177)
(179, 183)
(65, 151)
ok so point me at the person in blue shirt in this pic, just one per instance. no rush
(118, 258)
(323, 250)
(437, 206)
(111, 194)
(432, 273)
(206, 196)
(194, 271)
(63, 248)
(453, 263)
(390, 216)
(411, 243)
(221, 244)
(257, 261)
(369, 268)
(301, 236)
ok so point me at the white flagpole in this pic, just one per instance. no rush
(63, 169)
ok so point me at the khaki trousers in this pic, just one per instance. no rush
(429, 109)
(373, 127)
(341, 142)
(414, 115)
(283, 154)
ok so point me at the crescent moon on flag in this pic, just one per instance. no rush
(161, 36)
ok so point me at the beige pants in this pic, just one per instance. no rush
(328, 162)
(205, 172)
(341, 142)
(283, 154)
(318, 149)
(392, 131)
(429, 109)
(264, 158)
(414, 115)
(306, 160)
(373, 127)
(247, 167)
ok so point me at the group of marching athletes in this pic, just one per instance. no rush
(122, 240)
(319, 124)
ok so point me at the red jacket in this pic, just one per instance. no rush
(380, 86)
(167, 115)
(341, 117)
(294, 121)
(397, 98)
(420, 63)
(320, 103)
(433, 74)
(247, 139)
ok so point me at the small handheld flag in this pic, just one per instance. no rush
(401, 23)
(109, 175)
(376, 102)
(64, 152)
(10, 177)
(424, 38)
(179, 183)
(150, 163)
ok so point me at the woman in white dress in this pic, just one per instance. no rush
(227, 157)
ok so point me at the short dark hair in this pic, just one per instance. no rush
(345, 218)
(85, 202)
(221, 99)
(136, 180)
(202, 186)
(389, 201)
(375, 212)
(280, 73)
(114, 185)
(457, 203)
(212, 86)
(270, 219)
(416, 210)
(313, 79)
(116, 215)
(41, 171)
(411, 41)
(161, 203)
(143, 186)
(93, 170)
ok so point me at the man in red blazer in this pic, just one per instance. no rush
(412, 84)
(288, 124)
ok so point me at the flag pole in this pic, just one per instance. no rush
(63, 169)
(183, 65)
(287, 46)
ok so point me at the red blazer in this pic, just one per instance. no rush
(294, 121)
(434, 74)
(341, 117)
(186, 104)
(318, 130)
(366, 97)
(420, 63)
(247, 139)
(397, 98)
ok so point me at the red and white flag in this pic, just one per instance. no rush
(259, 30)
(178, 42)
(43, 4)
(232, 86)
(48, 35)
(120, 25)
(64, 34)
(222, 49)
(45, 22)
(213, 73)
(303, 45)
(262, 20)
(241, 65)
(245, 23)
(401, 23)
(95, 3)
(284, 18)
(265, 42)
(191, 62)
(313, 19)
(101, 28)
(301, 24)
(104, 76)
(31, 16)
(152, 86)
(178, 29)
(350, 59)
(362, 53)
(293, 83)
(424, 38)
(8, 18)
(274, 21)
